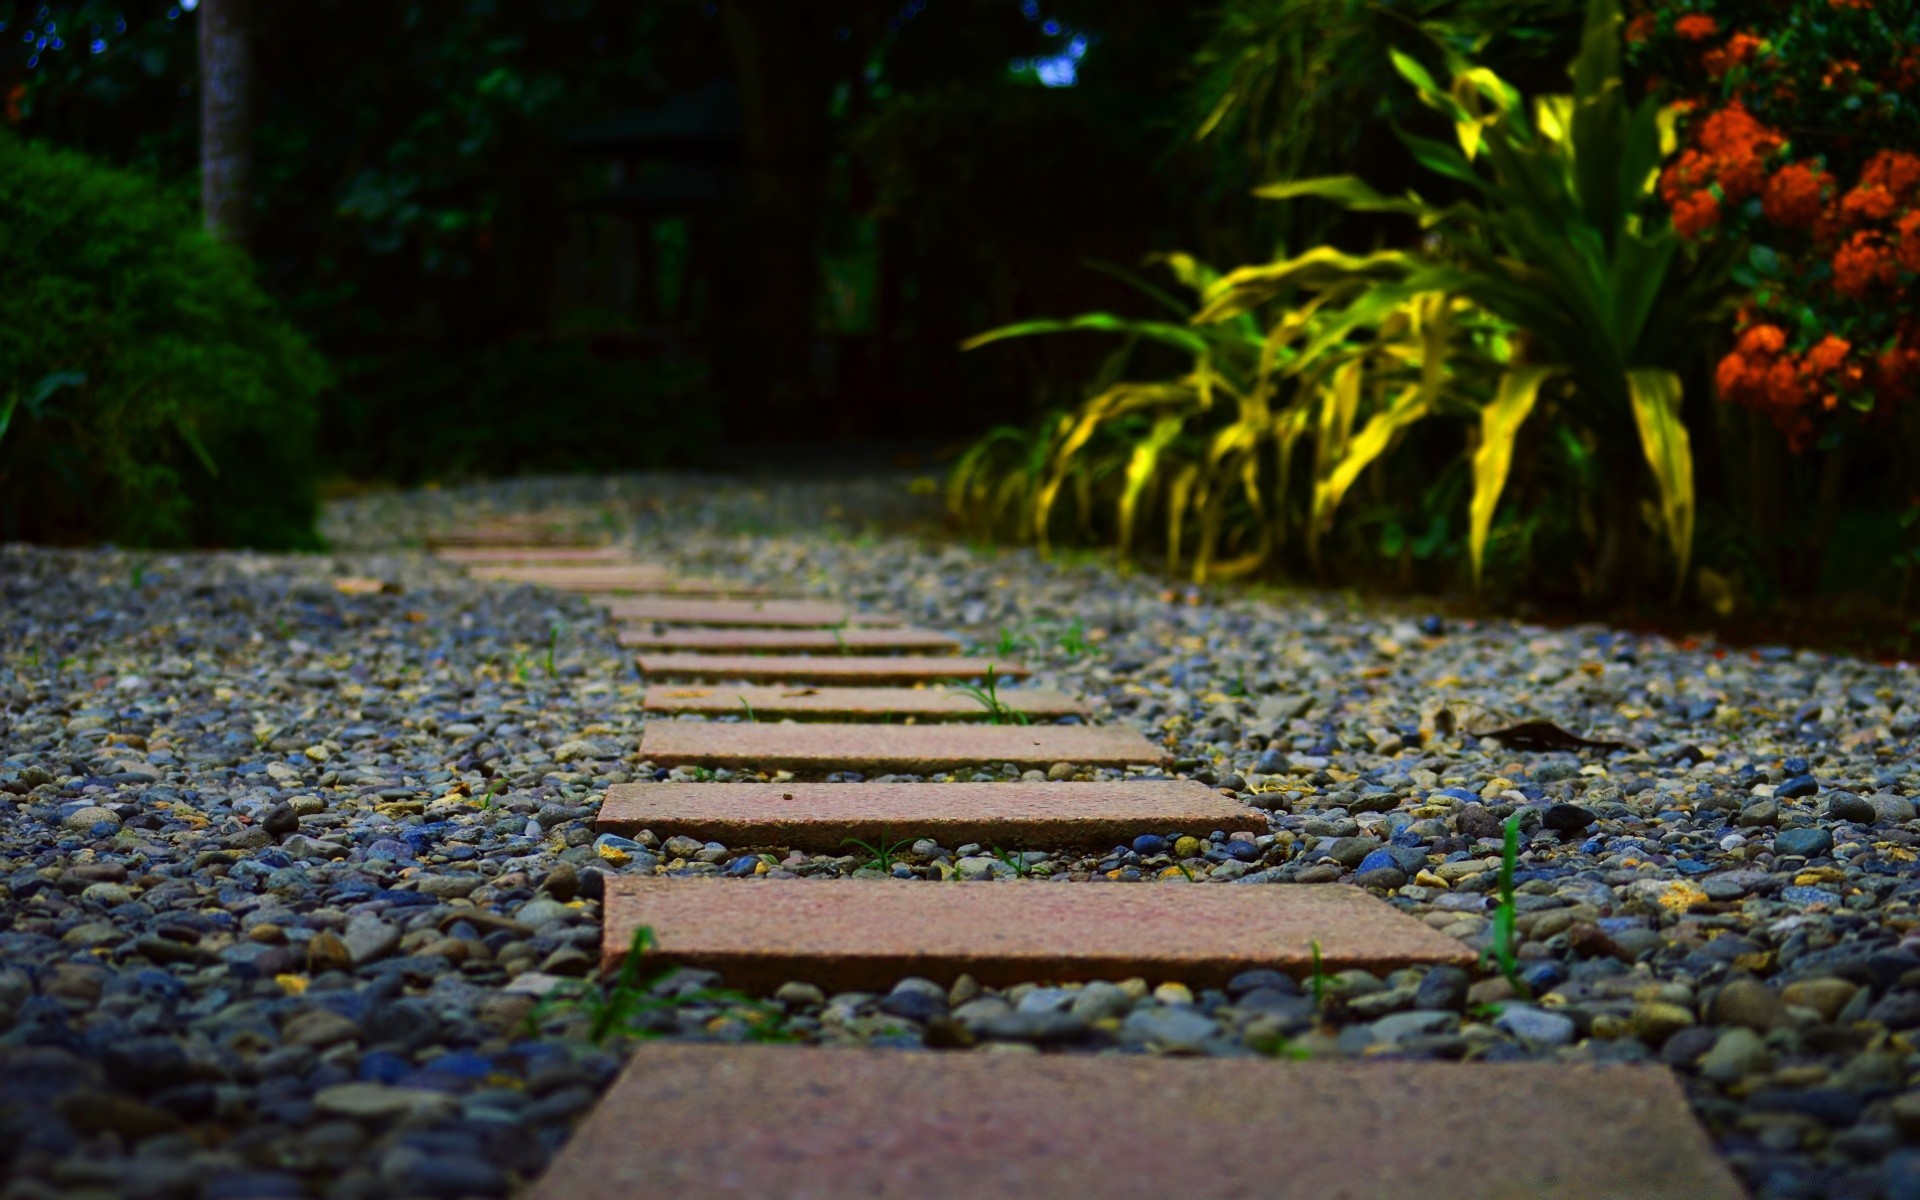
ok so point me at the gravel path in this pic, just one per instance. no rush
(289, 845)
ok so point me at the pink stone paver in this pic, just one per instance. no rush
(821, 668)
(853, 703)
(866, 934)
(708, 1122)
(532, 555)
(637, 578)
(774, 641)
(822, 816)
(903, 749)
(815, 614)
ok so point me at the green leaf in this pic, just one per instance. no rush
(1140, 468)
(36, 399)
(1656, 396)
(1177, 336)
(1500, 423)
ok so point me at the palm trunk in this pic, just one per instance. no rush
(226, 152)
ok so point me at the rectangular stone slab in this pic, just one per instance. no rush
(788, 641)
(822, 668)
(803, 614)
(900, 749)
(614, 580)
(866, 934)
(519, 530)
(822, 816)
(853, 703)
(712, 1122)
(532, 555)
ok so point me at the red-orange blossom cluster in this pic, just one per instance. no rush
(1869, 236)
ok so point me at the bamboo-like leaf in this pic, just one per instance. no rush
(1179, 492)
(1500, 423)
(1239, 291)
(1367, 446)
(1656, 396)
(1177, 336)
(1140, 469)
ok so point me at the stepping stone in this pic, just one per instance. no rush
(531, 555)
(766, 613)
(613, 579)
(891, 749)
(707, 1122)
(518, 530)
(867, 934)
(764, 641)
(854, 704)
(1013, 816)
(822, 668)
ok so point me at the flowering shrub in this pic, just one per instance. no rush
(1791, 115)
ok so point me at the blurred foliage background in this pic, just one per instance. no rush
(1298, 263)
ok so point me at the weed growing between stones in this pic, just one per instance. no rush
(881, 856)
(1502, 950)
(987, 694)
(1017, 863)
(638, 1004)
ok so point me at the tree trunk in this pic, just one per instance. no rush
(777, 48)
(226, 87)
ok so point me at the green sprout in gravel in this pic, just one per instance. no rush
(1011, 642)
(1319, 978)
(1504, 938)
(630, 1005)
(882, 856)
(1073, 643)
(1018, 863)
(987, 695)
(553, 646)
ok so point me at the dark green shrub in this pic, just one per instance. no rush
(150, 393)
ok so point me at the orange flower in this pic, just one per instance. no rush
(1785, 390)
(1894, 375)
(1859, 264)
(1895, 170)
(1865, 203)
(1794, 196)
(1733, 131)
(1762, 340)
(1863, 5)
(1908, 251)
(1694, 214)
(1839, 72)
(1739, 50)
(1696, 27)
(1828, 356)
(1640, 29)
(1732, 379)
(1741, 175)
(1686, 174)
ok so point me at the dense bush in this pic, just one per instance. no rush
(1549, 284)
(149, 391)
(1799, 136)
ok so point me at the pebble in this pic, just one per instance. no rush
(1534, 1025)
(440, 791)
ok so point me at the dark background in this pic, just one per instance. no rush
(552, 234)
